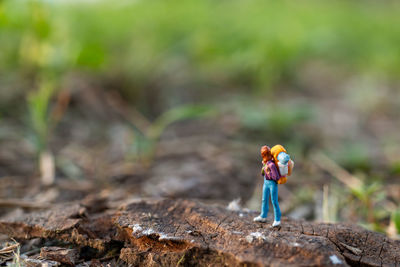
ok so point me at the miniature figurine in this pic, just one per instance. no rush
(277, 165)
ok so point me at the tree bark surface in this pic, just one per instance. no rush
(154, 232)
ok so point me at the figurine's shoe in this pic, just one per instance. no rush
(276, 223)
(260, 219)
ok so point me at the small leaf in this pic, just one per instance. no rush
(396, 219)
(176, 114)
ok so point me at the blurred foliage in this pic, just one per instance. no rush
(353, 156)
(253, 45)
(38, 104)
(396, 220)
(175, 114)
(395, 168)
(143, 148)
(370, 196)
(278, 118)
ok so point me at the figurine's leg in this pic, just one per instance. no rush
(265, 199)
(275, 203)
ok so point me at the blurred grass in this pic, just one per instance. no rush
(144, 147)
(396, 220)
(253, 45)
(38, 105)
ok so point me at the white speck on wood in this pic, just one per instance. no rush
(136, 228)
(249, 238)
(335, 260)
(148, 231)
(167, 237)
(234, 205)
(255, 235)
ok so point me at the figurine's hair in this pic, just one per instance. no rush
(265, 154)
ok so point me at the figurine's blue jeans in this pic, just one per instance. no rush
(270, 188)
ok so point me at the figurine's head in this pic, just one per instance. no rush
(283, 158)
(266, 154)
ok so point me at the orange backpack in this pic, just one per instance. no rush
(275, 150)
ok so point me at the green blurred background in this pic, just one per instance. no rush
(319, 77)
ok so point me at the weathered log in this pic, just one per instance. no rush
(62, 255)
(17, 203)
(67, 223)
(186, 232)
(183, 232)
(31, 262)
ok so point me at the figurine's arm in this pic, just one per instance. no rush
(274, 175)
(263, 170)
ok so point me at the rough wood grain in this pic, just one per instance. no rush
(67, 222)
(30, 262)
(62, 255)
(187, 232)
(184, 233)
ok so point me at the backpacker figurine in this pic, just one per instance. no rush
(276, 167)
